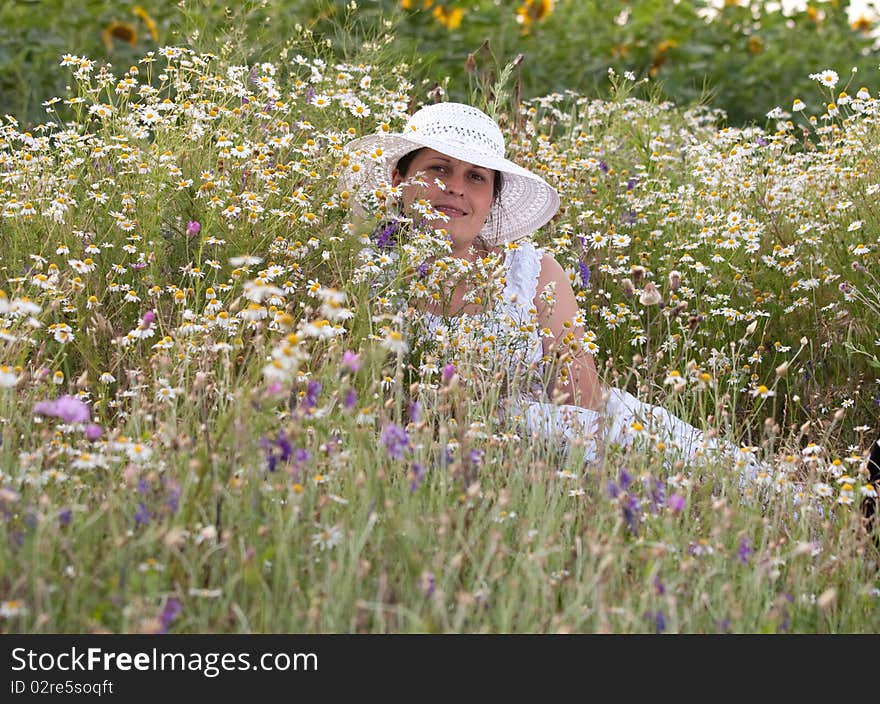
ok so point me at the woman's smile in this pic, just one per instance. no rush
(462, 191)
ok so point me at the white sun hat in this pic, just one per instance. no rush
(526, 202)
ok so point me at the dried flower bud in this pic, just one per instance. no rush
(674, 280)
(637, 272)
(629, 289)
(650, 296)
(679, 308)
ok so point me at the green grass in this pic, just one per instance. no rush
(247, 468)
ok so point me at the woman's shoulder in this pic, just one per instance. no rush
(551, 273)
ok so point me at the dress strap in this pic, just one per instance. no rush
(523, 272)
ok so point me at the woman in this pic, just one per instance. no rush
(448, 168)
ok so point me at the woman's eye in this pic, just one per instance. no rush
(478, 177)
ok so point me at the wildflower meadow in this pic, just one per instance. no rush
(215, 417)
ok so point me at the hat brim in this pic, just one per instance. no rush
(526, 202)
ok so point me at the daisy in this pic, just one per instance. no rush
(138, 453)
(327, 538)
(8, 377)
(827, 78)
(12, 608)
(823, 490)
(762, 391)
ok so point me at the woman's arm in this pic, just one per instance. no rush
(575, 380)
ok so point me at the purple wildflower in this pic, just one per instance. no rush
(279, 450)
(476, 457)
(142, 516)
(65, 516)
(142, 486)
(284, 446)
(613, 490)
(312, 392)
(761, 142)
(417, 476)
(658, 495)
(603, 166)
(300, 457)
(172, 496)
(632, 514)
(93, 432)
(385, 235)
(659, 622)
(193, 228)
(625, 479)
(396, 440)
(785, 624)
(148, 319)
(69, 408)
(745, 550)
(676, 503)
(350, 399)
(445, 458)
(351, 361)
(170, 612)
(269, 451)
(448, 372)
(630, 217)
(414, 411)
(422, 269)
(585, 273)
(632, 183)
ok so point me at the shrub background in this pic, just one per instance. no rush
(745, 61)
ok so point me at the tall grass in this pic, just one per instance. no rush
(266, 447)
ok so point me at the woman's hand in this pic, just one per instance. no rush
(575, 381)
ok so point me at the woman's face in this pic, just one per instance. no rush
(462, 191)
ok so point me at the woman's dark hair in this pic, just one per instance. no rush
(406, 160)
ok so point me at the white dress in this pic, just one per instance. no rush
(511, 328)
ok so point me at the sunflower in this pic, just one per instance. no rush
(122, 31)
(451, 19)
(142, 14)
(533, 11)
